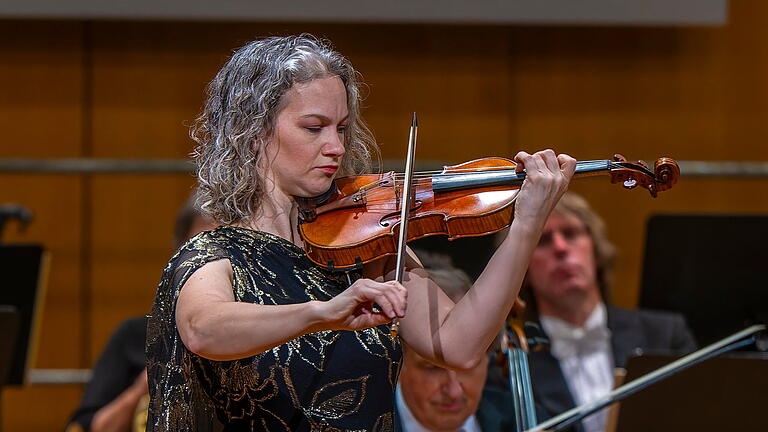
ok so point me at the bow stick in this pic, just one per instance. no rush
(405, 205)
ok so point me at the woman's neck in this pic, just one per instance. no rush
(278, 215)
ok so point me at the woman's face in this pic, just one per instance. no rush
(306, 149)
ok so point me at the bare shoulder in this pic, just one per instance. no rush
(212, 279)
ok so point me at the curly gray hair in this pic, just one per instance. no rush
(239, 115)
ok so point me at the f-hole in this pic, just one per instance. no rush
(384, 219)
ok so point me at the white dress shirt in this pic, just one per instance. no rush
(586, 360)
(410, 424)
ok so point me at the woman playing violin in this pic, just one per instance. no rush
(246, 329)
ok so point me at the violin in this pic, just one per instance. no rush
(357, 220)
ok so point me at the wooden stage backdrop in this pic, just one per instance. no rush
(129, 90)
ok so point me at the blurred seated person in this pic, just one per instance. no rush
(119, 378)
(566, 291)
(430, 398)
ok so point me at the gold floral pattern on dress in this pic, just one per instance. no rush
(339, 398)
(324, 381)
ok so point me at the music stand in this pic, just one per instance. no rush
(24, 271)
(723, 393)
(707, 266)
(9, 330)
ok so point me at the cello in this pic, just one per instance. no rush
(512, 357)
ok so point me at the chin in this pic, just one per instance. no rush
(313, 191)
(451, 423)
(573, 293)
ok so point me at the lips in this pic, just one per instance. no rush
(564, 270)
(330, 169)
(451, 406)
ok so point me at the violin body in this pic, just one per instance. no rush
(345, 234)
(357, 221)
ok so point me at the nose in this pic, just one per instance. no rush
(334, 145)
(452, 385)
(560, 244)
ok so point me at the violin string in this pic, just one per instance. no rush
(375, 186)
(421, 176)
(460, 171)
(378, 194)
(380, 191)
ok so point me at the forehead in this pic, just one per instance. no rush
(325, 94)
(414, 359)
(559, 219)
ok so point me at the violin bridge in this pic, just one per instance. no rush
(359, 196)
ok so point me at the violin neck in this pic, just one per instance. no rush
(506, 177)
(592, 168)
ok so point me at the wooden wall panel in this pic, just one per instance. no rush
(132, 241)
(696, 94)
(41, 92)
(144, 91)
(41, 116)
(456, 79)
(596, 91)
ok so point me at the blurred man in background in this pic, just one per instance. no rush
(566, 290)
(119, 380)
(431, 398)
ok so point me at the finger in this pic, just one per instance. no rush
(402, 297)
(567, 164)
(520, 158)
(396, 298)
(550, 160)
(369, 320)
(377, 320)
(402, 293)
(366, 315)
(383, 302)
(400, 287)
(535, 164)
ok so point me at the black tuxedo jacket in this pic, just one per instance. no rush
(632, 332)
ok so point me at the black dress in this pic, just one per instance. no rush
(324, 381)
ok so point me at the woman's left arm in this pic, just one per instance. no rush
(457, 335)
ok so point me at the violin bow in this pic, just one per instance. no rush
(406, 197)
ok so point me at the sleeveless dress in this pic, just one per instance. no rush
(323, 381)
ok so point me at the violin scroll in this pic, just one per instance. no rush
(633, 174)
(667, 171)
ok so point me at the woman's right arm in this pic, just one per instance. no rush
(213, 325)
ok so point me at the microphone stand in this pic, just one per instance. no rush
(737, 340)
